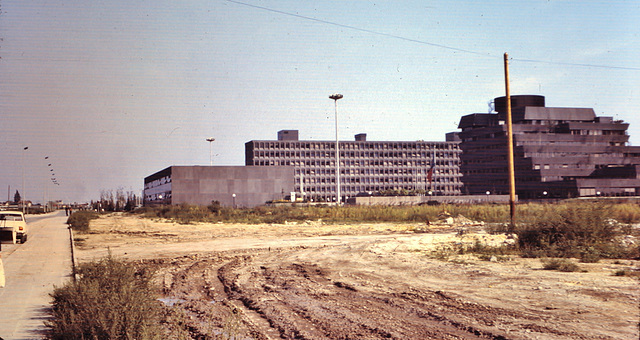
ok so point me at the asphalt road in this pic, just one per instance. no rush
(32, 270)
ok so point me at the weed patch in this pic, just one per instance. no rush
(80, 220)
(585, 230)
(627, 272)
(478, 249)
(110, 300)
(563, 265)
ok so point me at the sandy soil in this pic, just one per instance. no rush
(365, 281)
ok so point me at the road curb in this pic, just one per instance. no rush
(2, 280)
(73, 254)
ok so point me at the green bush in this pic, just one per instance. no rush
(110, 300)
(79, 220)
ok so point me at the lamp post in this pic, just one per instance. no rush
(45, 189)
(23, 193)
(210, 140)
(234, 200)
(335, 98)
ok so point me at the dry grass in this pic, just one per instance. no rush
(110, 300)
(563, 265)
(579, 229)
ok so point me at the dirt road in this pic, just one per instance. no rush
(314, 281)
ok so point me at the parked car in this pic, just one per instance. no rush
(13, 226)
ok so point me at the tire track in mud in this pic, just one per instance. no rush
(303, 303)
(290, 300)
(199, 300)
(292, 294)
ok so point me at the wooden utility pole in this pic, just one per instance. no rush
(512, 177)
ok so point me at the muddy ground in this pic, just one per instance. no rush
(365, 281)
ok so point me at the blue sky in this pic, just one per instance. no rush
(112, 91)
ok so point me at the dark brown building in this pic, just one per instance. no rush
(559, 152)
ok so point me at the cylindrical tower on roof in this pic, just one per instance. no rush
(500, 103)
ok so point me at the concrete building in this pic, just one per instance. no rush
(559, 152)
(365, 166)
(232, 186)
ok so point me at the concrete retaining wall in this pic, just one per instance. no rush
(417, 200)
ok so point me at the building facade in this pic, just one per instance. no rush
(232, 186)
(366, 167)
(558, 152)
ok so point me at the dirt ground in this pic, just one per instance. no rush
(364, 281)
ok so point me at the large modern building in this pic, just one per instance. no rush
(559, 152)
(366, 167)
(237, 186)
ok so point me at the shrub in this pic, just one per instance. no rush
(627, 272)
(620, 272)
(563, 265)
(572, 230)
(79, 220)
(110, 300)
(215, 207)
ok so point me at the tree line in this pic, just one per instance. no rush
(118, 201)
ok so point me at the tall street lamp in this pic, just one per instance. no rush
(210, 140)
(44, 189)
(335, 98)
(23, 193)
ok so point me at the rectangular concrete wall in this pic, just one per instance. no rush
(416, 200)
(252, 186)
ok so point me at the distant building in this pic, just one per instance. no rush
(239, 186)
(559, 152)
(365, 166)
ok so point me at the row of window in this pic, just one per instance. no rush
(495, 170)
(355, 145)
(353, 163)
(161, 196)
(598, 142)
(599, 132)
(354, 154)
(489, 158)
(368, 180)
(323, 192)
(483, 160)
(376, 171)
(158, 182)
(557, 166)
(574, 154)
(484, 137)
